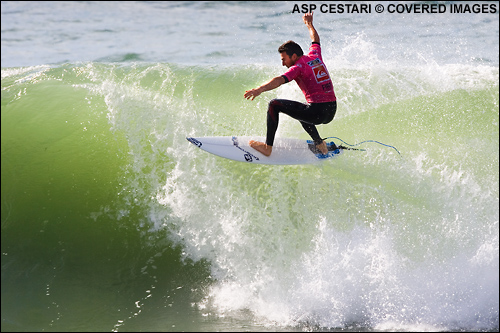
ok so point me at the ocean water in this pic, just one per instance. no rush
(112, 221)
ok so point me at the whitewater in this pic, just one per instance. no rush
(112, 221)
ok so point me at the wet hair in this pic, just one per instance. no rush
(291, 48)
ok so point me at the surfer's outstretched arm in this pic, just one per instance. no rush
(308, 21)
(273, 84)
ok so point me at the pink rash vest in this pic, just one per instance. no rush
(312, 77)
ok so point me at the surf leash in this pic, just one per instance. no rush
(357, 144)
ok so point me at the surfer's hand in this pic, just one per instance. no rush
(273, 84)
(252, 93)
(308, 18)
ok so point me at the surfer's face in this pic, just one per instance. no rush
(288, 61)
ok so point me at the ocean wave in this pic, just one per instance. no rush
(94, 158)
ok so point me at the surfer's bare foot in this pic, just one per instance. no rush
(323, 148)
(261, 147)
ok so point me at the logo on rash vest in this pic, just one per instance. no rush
(320, 73)
(314, 62)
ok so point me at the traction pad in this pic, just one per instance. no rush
(332, 148)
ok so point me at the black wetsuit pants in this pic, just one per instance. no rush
(308, 115)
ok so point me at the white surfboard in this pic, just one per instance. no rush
(285, 151)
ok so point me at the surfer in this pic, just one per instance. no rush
(311, 75)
